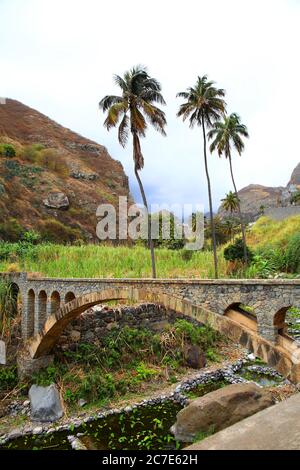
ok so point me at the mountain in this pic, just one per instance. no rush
(274, 202)
(295, 178)
(57, 178)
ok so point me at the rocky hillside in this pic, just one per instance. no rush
(53, 179)
(257, 199)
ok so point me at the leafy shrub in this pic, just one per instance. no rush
(7, 150)
(295, 198)
(8, 378)
(144, 372)
(203, 336)
(31, 236)
(187, 255)
(49, 375)
(235, 251)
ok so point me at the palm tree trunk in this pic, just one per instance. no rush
(240, 212)
(212, 225)
(150, 241)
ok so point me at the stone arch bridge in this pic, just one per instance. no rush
(49, 304)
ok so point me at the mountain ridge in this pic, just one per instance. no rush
(33, 188)
(257, 199)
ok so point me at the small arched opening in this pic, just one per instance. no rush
(42, 309)
(242, 314)
(287, 325)
(30, 312)
(69, 297)
(279, 321)
(54, 302)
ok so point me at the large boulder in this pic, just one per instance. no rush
(219, 409)
(57, 200)
(45, 403)
(194, 356)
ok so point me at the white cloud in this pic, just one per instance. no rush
(58, 56)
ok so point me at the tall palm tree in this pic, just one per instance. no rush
(227, 134)
(203, 106)
(131, 112)
(230, 202)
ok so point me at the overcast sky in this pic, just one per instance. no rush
(58, 56)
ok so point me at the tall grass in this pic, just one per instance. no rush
(8, 307)
(116, 262)
(273, 233)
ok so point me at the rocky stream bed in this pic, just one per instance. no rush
(142, 425)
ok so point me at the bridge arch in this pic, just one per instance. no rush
(43, 342)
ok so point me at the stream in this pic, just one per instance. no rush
(147, 426)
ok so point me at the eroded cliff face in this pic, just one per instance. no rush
(295, 178)
(257, 199)
(56, 175)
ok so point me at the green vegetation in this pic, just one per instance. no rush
(8, 308)
(7, 150)
(295, 198)
(203, 434)
(273, 248)
(105, 261)
(273, 233)
(230, 202)
(277, 247)
(8, 379)
(236, 251)
(124, 361)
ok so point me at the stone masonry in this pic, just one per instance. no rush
(41, 297)
(50, 304)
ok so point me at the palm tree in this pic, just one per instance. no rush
(229, 228)
(225, 134)
(134, 108)
(230, 202)
(203, 106)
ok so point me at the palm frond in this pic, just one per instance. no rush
(114, 114)
(108, 101)
(155, 115)
(123, 130)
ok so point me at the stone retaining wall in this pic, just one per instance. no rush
(94, 324)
